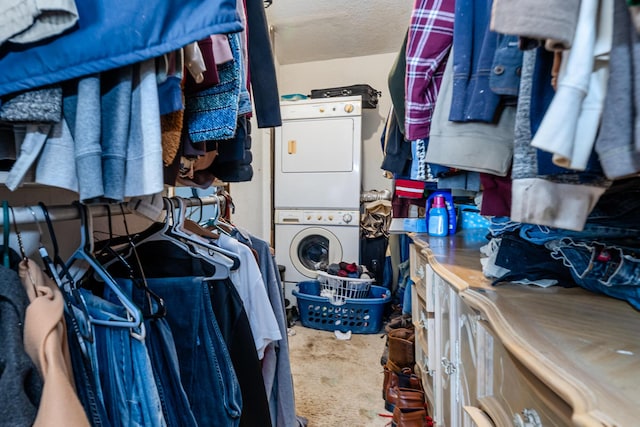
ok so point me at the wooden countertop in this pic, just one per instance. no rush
(584, 346)
(455, 258)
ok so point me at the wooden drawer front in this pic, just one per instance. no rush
(427, 374)
(418, 306)
(510, 393)
(430, 280)
(476, 417)
(424, 323)
(467, 359)
(417, 265)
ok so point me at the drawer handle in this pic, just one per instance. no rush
(527, 418)
(449, 367)
(423, 321)
(424, 367)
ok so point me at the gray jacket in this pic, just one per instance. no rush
(20, 383)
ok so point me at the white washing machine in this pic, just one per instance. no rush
(306, 238)
(318, 154)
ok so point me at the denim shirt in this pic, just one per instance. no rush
(483, 60)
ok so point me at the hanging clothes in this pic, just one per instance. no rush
(262, 71)
(205, 369)
(29, 22)
(430, 37)
(229, 314)
(276, 367)
(160, 342)
(252, 290)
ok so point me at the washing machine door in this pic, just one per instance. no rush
(314, 246)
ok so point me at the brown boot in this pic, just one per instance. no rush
(402, 347)
(411, 417)
(403, 397)
(404, 379)
(403, 321)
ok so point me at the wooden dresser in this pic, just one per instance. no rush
(514, 355)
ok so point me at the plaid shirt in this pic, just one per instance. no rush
(430, 38)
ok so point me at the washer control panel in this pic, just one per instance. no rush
(319, 108)
(317, 217)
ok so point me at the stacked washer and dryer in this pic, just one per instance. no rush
(317, 180)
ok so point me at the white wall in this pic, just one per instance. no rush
(253, 199)
(372, 70)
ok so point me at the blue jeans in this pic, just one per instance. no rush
(610, 270)
(502, 224)
(406, 298)
(83, 366)
(124, 370)
(164, 361)
(540, 234)
(206, 370)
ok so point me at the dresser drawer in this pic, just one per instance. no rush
(417, 268)
(510, 393)
(424, 323)
(422, 369)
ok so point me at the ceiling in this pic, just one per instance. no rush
(317, 30)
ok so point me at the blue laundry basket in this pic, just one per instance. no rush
(358, 315)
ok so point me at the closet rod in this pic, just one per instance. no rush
(25, 214)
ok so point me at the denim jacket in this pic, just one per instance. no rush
(483, 60)
(506, 67)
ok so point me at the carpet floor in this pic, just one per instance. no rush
(338, 383)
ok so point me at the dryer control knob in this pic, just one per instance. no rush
(308, 217)
(348, 108)
(347, 218)
(319, 217)
(330, 217)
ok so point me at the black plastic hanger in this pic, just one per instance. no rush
(6, 229)
(57, 269)
(139, 279)
(84, 253)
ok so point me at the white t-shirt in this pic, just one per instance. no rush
(248, 282)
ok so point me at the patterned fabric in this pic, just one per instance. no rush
(409, 189)
(430, 38)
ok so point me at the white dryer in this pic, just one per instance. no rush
(318, 153)
(304, 239)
